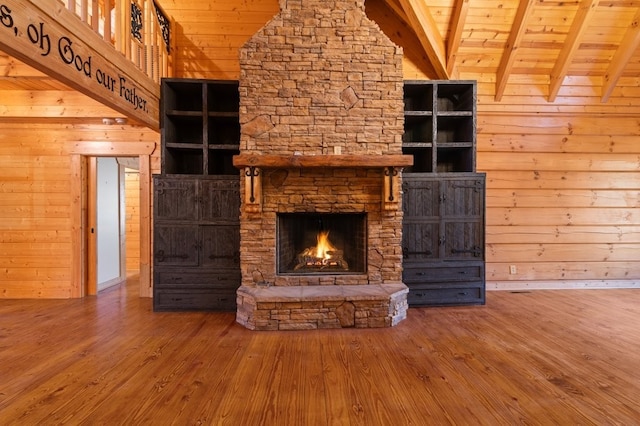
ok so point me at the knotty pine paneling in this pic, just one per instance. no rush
(209, 34)
(563, 192)
(132, 222)
(35, 203)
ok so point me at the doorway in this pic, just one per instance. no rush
(84, 250)
(117, 223)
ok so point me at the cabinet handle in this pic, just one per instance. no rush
(161, 257)
(406, 253)
(475, 251)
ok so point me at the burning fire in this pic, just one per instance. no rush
(324, 249)
(323, 255)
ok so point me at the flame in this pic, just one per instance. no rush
(324, 247)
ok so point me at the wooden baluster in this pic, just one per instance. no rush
(95, 16)
(107, 21)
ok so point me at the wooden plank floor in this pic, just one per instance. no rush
(542, 357)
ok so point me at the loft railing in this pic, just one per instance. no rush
(139, 29)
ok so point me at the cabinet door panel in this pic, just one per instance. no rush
(175, 199)
(420, 241)
(420, 197)
(175, 245)
(220, 200)
(463, 197)
(221, 246)
(463, 240)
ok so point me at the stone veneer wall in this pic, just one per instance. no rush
(321, 78)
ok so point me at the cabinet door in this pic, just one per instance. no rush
(462, 219)
(420, 197)
(220, 246)
(463, 240)
(420, 240)
(420, 230)
(175, 245)
(463, 198)
(220, 200)
(175, 199)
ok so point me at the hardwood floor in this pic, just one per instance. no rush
(541, 357)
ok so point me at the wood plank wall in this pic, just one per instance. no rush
(563, 178)
(563, 184)
(132, 222)
(36, 205)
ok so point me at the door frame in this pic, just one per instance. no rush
(81, 284)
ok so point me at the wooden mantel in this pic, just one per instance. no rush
(270, 161)
(252, 163)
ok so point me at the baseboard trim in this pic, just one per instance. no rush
(560, 285)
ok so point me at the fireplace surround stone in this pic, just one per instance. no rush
(322, 119)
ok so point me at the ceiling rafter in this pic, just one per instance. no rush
(626, 50)
(458, 19)
(423, 24)
(393, 21)
(586, 10)
(395, 6)
(518, 29)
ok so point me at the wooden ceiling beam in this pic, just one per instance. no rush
(391, 18)
(626, 50)
(423, 24)
(397, 9)
(580, 24)
(518, 29)
(458, 19)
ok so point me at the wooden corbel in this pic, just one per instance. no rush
(252, 189)
(390, 189)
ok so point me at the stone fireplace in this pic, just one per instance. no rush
(321, 243)
(321, 114)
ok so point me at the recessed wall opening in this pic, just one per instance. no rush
(322, 243)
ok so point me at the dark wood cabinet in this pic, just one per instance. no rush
(443, 239)
(443, 196)
(196, 232)
(196, 245)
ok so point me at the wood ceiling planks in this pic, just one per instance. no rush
(500, 40)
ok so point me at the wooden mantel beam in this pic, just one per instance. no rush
(49, 38)
(525, 8)
(424, 26)
(626, 50)
(272, 161)
(579, 26)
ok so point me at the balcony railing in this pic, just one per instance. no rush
(139, 29)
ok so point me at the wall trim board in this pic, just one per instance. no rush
(560, 285)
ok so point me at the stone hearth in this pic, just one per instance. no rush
(321, 114)
(319, 307)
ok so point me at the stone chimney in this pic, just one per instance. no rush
(320, 78)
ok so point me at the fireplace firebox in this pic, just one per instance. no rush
(322, 243)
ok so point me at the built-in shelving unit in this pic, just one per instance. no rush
(197, 197)
(443, 196)
(200, 127)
